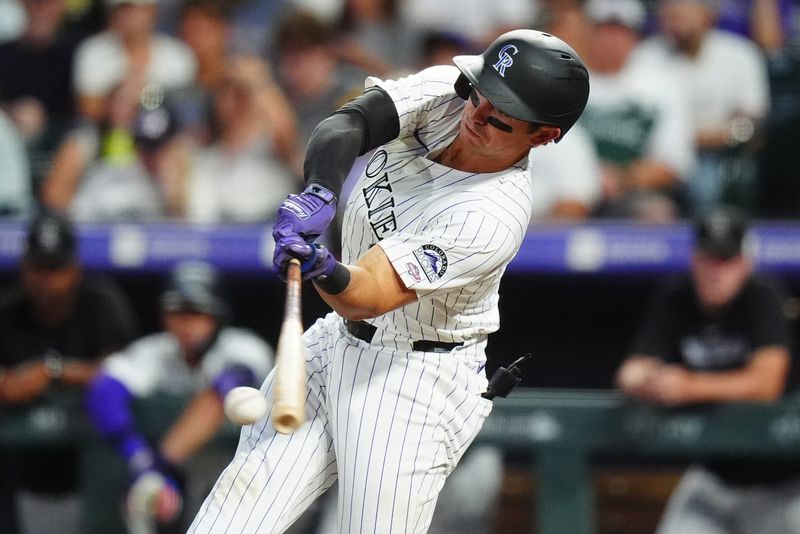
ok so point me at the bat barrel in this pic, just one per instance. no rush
(287, 423)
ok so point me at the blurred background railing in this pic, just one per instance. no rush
(560, 432)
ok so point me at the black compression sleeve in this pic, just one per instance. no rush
(364, 123)
(379, 114)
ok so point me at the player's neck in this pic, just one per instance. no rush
(460, 157)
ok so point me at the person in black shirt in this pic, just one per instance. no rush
(38, 65)
(719, 335)
(55, 326)
(36, 82)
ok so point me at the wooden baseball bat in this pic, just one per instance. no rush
(289, 394)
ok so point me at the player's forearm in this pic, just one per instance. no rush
(68, 166)
(569, 209)
(766, 21)
(332, 150)
(729, 386)
(196, 426)
(374, 288)
(360, 300)
(763, 380)
(651, 174)
(79, 373)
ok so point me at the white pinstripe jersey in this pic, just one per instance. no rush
(448, 233)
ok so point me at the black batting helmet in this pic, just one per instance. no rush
(194, 286)
(529, 75)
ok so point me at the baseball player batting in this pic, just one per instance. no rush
(396, 372)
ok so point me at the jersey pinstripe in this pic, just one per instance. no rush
(448, 233)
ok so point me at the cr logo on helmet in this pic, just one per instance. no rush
(505, 60)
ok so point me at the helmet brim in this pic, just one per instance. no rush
(469, 66)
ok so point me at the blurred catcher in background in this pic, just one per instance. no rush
(198, 355)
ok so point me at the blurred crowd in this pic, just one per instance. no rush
(199, 110)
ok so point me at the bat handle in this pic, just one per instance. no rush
(294, 284)
(293, 272)
(289, 394)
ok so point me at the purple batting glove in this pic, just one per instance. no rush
(316, 260)
(307, 214)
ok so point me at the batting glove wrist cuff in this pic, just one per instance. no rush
(328, 196)
(335, 282)
(321, 263)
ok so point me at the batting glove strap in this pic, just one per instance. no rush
(324, 193)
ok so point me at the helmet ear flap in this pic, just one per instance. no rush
(462, 86)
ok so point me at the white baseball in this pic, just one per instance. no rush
(245, 405)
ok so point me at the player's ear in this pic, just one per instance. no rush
(542, 135)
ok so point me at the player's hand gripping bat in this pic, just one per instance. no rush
(288, 408)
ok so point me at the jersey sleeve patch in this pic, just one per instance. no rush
(432, 260)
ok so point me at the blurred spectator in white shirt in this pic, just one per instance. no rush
(12, 20)
(241, 176)
(566, 178)
(140, 184)
(638, 118)
(725, 78)
(15, 182)
(128, 50)
(98, 159)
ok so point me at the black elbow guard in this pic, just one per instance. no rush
(379, 114)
